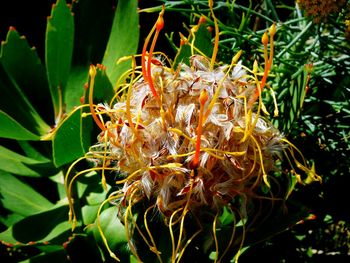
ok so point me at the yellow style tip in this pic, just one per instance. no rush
(272, 29)
(92, 71)
(265, 39)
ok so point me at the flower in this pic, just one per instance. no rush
(188, 142)
(319, 10)
(157, 155)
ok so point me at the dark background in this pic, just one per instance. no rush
(29, 18)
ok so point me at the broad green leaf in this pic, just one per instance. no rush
(67, 142)
(97, 196)
(10, 219)
(11, 129)
(6, 153)
(20, 198)
(123, 40)
(23, 65)
(93, 21)
(103, 89)
(16, 105)
(112, 228)
(90, 189)
(18, 164)
(6, 236)
(202, 42)
(59, 180)
(133, 259)
(55, 256)
(227, 217)
(51, 225)
(89, 213)
(184, 55)
(75, 86)
(19, 252)
(75, 132)
(31, 151)
(58, 52)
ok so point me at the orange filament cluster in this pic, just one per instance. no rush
(146, 71)
(268, 61)
(203, 97)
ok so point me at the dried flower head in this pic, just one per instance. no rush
(319, 10)
(188, 139)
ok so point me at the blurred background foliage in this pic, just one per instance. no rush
(310, 79)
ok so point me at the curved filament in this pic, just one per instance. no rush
(146, 71)
(202, 100)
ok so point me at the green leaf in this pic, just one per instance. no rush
(51, 225)
(75, 131)
(58, 52)
(16, 105)
(18, 164)
(59, 180)
(23, 65)
(55, 256)
(20, 198)
(10, 219)
(103, 89)
(75, 86)
(112, 228)
(202, 42)
(89, 213)
(89, 188)
(123, 40)
(32, 152)
(133, 259)
(227, 217)
(67, 142)
(292, 183)
(93, 21)
(11, 129)
(23, 252)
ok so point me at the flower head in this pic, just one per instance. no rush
(320, 10)
(235, 150)
(188, 141)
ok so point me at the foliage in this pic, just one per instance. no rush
(39, 141)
